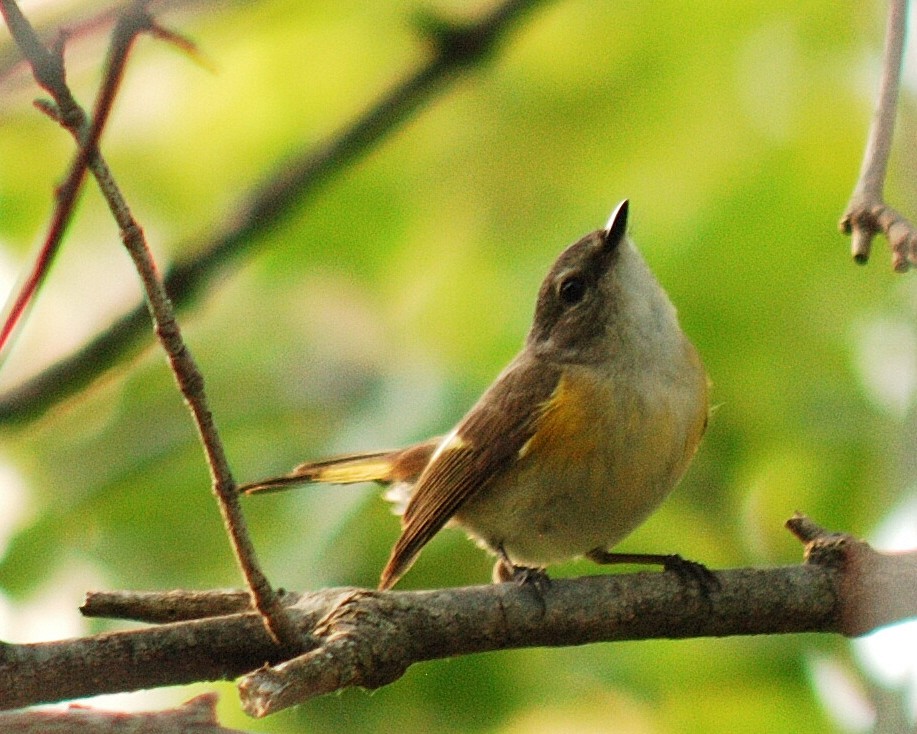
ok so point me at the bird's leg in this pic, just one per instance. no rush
(686, 570)
(505, 570)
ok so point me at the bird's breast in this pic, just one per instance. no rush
(606, 451)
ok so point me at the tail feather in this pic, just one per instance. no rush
(375, 466)
(384, 467)
(349, 469)
(274, 484)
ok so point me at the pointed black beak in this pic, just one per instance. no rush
(617, 226)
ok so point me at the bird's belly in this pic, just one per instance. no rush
(590, 480)
(539, 519)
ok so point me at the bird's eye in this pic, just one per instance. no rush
(571, 290)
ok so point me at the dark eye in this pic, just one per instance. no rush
(571, 290)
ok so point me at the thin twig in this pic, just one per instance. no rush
(164, 607)
(134, 21)
(191, 382)
(48, 69)
(268, 203)
(867, 214)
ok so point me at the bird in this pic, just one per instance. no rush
(582, 435)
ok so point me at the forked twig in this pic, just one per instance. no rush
(49, 71)
(867, 214)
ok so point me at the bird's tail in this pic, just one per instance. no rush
(384, 467)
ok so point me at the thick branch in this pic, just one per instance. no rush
(365, 638)
(370, 640)
(268, 203)
(874, 588)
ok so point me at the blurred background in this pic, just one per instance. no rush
(378, 310)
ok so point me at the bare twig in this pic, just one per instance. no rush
(191, 380)
(49, 71)
(456, 48)
(356, 637)
(163, 607)
(867, 214)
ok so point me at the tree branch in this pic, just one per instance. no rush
(867, 214)
(356, 637)
(268, 203)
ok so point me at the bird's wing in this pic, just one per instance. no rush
(486, 442)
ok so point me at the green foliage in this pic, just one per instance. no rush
(377, 313)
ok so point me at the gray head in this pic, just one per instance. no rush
(598, 294)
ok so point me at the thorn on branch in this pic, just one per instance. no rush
(804, 528)
(47, 107)
(183, 44)
(822, 547)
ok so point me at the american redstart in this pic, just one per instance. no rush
(577, 441)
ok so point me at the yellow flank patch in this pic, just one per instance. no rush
(566, 430)
(361, 470)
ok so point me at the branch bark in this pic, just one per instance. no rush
(357, 637)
